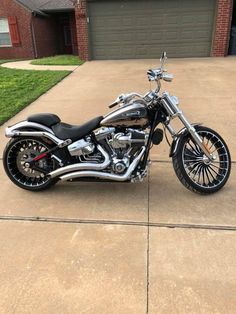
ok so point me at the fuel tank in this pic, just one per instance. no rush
(130, 115)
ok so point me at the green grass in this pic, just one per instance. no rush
(59, 60)
(18, 88)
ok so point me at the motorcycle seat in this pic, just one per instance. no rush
(66, 131)
(47, 119)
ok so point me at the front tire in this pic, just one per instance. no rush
(194, 170)
(15, 156)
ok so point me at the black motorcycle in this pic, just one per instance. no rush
(116, 147)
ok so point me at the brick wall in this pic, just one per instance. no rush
(222, 28)
(82, 30)
(25, 48)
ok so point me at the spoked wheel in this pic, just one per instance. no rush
(17, 160)
(195, 170)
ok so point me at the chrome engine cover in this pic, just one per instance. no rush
(131, 138)
(122, 145)
(81, 147)
(120, 165)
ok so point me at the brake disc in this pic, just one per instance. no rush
(22, 158)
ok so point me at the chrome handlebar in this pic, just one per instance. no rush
(158, 74)
(153, 75)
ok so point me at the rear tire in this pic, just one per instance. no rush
(17, 151)
(193, 168)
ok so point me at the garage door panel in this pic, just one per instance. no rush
(144, 28)
(198, 5)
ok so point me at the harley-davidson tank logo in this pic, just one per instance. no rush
(133, 114)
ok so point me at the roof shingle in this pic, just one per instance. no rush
(40, 6)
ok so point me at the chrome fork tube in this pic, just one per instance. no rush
(174, 111)
(195, 136)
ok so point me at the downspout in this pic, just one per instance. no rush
(33, 35)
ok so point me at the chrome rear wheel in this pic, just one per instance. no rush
(17, 159)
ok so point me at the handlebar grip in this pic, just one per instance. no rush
(113, 104)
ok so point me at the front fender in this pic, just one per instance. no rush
(175, 144)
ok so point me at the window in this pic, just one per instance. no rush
(5, 40)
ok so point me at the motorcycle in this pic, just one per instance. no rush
(44, 150)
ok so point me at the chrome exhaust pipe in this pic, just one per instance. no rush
(83, 166)
(105, 175)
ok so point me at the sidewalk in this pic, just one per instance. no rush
(25, 65)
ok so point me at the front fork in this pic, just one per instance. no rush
(174, 111)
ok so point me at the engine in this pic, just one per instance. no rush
(122, 145)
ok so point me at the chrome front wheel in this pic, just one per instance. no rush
(195, 170)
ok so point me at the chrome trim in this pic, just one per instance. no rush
(83, 166)
(43, 131)
(23, 124)
(39, 134)
(168, 77)
(103, 132)
(104, 175)
(171, 105)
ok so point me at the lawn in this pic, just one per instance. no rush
(59, 60)
(18, 88)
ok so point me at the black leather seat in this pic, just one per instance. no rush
(65, 131)
(47, 119)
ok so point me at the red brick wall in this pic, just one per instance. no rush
(82, 30)
(222, 28)
(46, 36)
(25, 49)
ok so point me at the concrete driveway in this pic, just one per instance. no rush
(124, 248)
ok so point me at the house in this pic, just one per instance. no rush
(115, 29)
(37, 28)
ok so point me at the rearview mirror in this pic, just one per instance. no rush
(163, 59)
(163, 55)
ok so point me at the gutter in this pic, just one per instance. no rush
(33, 35)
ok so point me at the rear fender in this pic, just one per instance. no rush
(25, 128)
(175, 144)
(24, 125)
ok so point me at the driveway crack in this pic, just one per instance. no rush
(117, 222)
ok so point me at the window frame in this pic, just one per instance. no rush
(10, 45)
